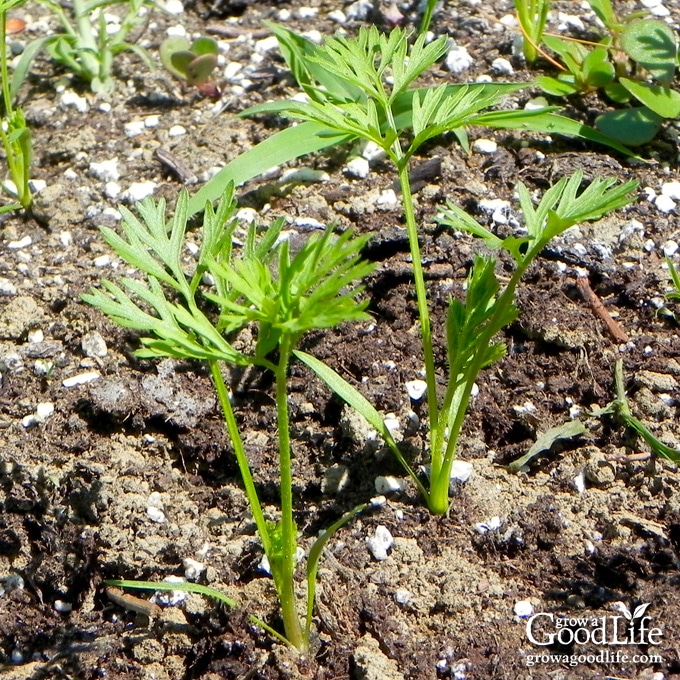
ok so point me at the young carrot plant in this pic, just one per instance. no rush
(487, 308)
(263, 286)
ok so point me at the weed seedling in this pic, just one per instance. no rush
(192, 62)
(315, 288)
(620, 409)
(15, 134)
(85, 47)
(634, 64)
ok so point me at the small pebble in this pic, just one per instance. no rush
(155, 514)
(392, 423)
(416, 389)
(461, 471)
(380, 543)
(177, 131)
(102, 261)
(338, 16)
(81, 379)
(402, 596)
(502, 66)
(485, 146)
(170, 598)
(523, 609)
(372, 152)
(175, 7)
(63, 607)
(266, 45)
(21, 243)
(387, 199)
(671, 189)
(138, 191)
(35, 335)
(70, 99)
(358, 167)
(670, 248)
(106, 171)
(458, 60)
(307, 12)
(37, 185)
(94, 345)
(134, 128)
(17, 656)
(192, 569)
(664, 203)
(389, 484)
(360, 10)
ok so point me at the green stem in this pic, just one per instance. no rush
(86, 47)
(242, 460)
(423, 311)
(285, 574)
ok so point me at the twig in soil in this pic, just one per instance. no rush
(133, 603)
(178, 166)
(600, 311)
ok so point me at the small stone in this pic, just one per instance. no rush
(458, 60)
(152, 121)
(112, 189)
(461, 471)
(523, 609)
(358, 167)
(63, 607)
(416, 389)
(670, 248)
(7, 287)
(402, 596)
(307, 12)
(21, 243)
(299, 175)
(492, 524)
(502, 66)
(671, 189)
(660, 11)
(81, 379)
(134, 128)
(44, 410)
(392, 423)
(102, 261)
(360, 10)
(192, 568)
(389, 484)
(177, 131)
(155, 514)
(485, 146)
(138, 191)
(70, 99)
(175, 7)
(106, 171)
(266, 45)
(37, 185)
(372, 152)
(94, 345)
(338, 16)
(657, 382)
(387, 200)
(380, 543)
(664, 203)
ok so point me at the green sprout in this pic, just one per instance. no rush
(14, 133)
(192, 62)
(263, 286)
(633, 64)
(85, 47)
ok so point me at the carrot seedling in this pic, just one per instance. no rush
(261, 285)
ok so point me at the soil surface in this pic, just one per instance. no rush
(130, 475)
